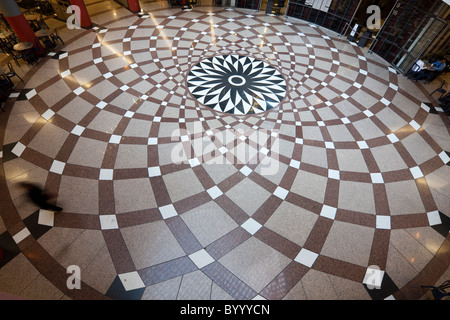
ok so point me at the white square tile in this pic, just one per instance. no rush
(306, 257)
(156, 119)
(425, 107)
(373, 277)
(79, 91)
(201, 258)
(131, 280)
(281, 192)
(124, 87)
(376, 177)
(194, 162)
(385, 101)
(295, 164)
(416, 172)
(392, 70)
(129, 114)
(362, 145)
(168, 211)
(108, 222)
(98, 60)
(154, 171)
(329, 145)
(251, 226)
(245, 170)
(415, 125)
(321, 123)
(65, 73)
(368, 113)
(328, 212)
(31, 94)
(18, 237)
(333, 174)
(345, 121)
(57, 167)
(434, 218)
(383, 222)
(214, 192)
(115, 139)
(444, 157)
(393, 86)
(46, 217)
(107, 75)
(393, 138)
(78, 130)
(152, 141)
(101, 104)
(18, 149)
(106, 174)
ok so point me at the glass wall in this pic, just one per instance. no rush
(408, 32)
(247, 4)
(332, 14)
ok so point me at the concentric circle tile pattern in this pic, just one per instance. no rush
(322, 192)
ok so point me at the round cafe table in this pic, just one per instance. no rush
(21, 46)
(5, 34)
(43, 33)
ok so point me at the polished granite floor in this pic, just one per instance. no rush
(332, 184)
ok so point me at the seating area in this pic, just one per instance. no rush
(25, 54)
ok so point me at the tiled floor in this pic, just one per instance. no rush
(341, 187)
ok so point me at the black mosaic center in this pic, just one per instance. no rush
(236, 84)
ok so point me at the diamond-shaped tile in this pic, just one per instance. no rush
(251, 226)
(245, 170)
(18, 149)
(328, 212)
(131, 280)
(201, 258)
(46, 217)
(383, 222)
(281, 192)
(306, 257)
(77, 130)
(154, 171)
(168, 211)
(57, 167)
(214, 192)
(18, 237)
(376, 177)
(416, 172)
(106, 174)
(108, 222)
(115, 139)
(434, 218)
(333, 174)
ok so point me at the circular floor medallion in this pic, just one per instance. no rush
(236, 84)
